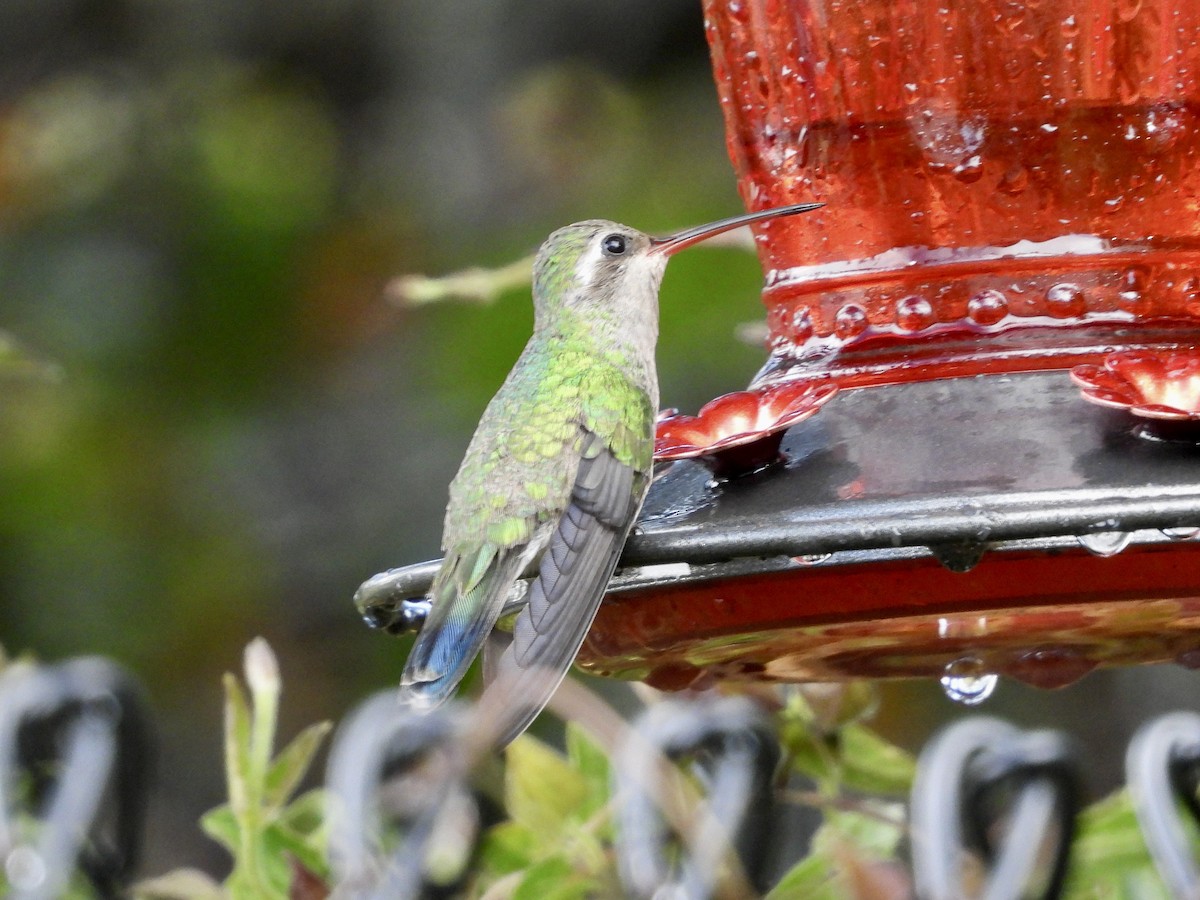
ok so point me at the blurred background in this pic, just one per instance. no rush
(228, 427)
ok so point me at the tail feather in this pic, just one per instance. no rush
(530, 670)
(459, 623)
(575, 569)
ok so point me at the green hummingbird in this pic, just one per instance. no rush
(556, 470)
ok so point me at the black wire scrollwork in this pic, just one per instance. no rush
(967, 776)
(734, 752)
(75, 766)
(418, 760)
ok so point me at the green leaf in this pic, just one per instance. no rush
(237, 745)
(222, 826)
(290, 766)
(591, 762)
(554, 879)
(825, 707)
(813, 878)
(307, 814)
(846, 852)
(812, 755)
(876, 835)
(1109, 857)
(873, 765)
(279, 842)
(854, 757)
(508, 847)
(542, 791)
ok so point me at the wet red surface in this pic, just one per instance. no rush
(1044, 618)
(988, 169)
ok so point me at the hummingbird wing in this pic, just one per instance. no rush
(575, 569)
(513, 484)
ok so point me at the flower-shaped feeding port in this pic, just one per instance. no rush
(1162, 389)
(741, 432)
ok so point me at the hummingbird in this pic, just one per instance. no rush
(556, 471)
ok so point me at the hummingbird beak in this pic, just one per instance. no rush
(681, 240)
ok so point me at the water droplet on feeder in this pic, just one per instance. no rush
(1064, 301)
(1015, 180)
(1190, 288)
(966, 681)
(1182, 533)
(812, 559)
(987, 307)
(961, 556)
(914, 313)
(1105, 543)
(969, 170)
(1134, 281)
(1189, 659)
(1050, 667)
(802, 326)
(851, 321)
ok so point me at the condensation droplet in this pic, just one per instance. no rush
(1134, 279)
(1015, 180)
(1189, 659)
(1127, 10)
(1070, 27)
(969, 170)
(1182, 533)
(987, 307)
(1190, 288)
(1050, 668)
(812, 559)
(802, 327)
(966, 681)
(914, 313)
(1105, 543)
(851, 321)
(1065, 301)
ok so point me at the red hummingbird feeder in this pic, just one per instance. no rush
(1012, 192)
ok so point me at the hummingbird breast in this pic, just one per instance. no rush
(521, 463)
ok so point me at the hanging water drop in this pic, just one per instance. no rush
(966, 681)
(1182, 533)
(811, 559)
(1105, 543)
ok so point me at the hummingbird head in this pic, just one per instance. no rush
(594, 264)
(606, 267)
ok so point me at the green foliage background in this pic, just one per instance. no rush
(213, 426)
(216, 425)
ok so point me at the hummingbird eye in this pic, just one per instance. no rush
(614, 244)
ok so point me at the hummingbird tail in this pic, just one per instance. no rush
(459, 623)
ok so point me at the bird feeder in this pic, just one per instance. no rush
(974, 447)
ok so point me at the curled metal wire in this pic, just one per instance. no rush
(1162, 765)
(734, 754)
(417, 760)
(966, 776)
(85, 723)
